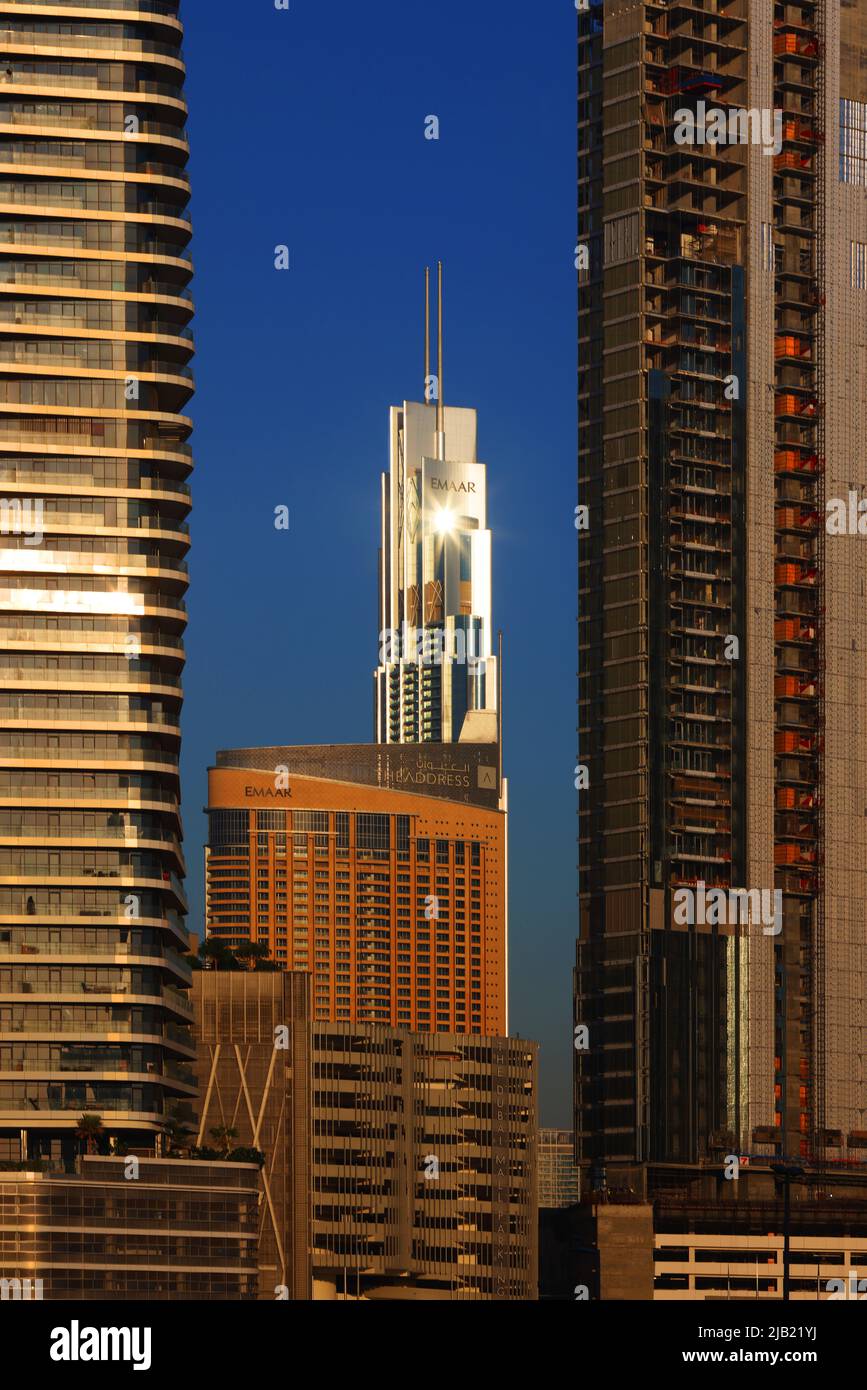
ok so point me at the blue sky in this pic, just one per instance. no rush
(307, 130)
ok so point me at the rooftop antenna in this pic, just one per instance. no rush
(441, 437)
(427, 332)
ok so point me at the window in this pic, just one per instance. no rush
(229, 828)
(767, 248)
(853, 143)
(372, 831)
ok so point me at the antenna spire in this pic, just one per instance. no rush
(426, 330)
(440, 410)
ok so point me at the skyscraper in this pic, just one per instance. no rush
(722, 257)
(437, 676)
(94, 352)
(380, 869)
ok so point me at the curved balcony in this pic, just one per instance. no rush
(170, 1036)
(16, 472)
(62, 524)
(72, 563)
(103, 642)
(151, 604)
(85, 45)
(148, 11)
(92, 87)
(34, 1115)
(90, 165)
(21, 282)
(174, 335)
(85, 126)
(14, 237)
(136, 453)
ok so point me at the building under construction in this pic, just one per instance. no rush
(722, 214)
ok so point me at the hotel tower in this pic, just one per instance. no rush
(382, 869)
(437, 677)
(722, 272)
(95, 348)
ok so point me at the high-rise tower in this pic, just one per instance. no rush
(381, 869)
(722, 626)
(94, 352)
(437, 677)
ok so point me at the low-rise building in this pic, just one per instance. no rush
(130, 1228)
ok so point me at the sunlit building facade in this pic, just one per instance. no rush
(95, 348)
(380, 870)
(438, 670)
(182, 1230)
(399, 1164)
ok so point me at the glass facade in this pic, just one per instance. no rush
(437, 676)
(95, 348)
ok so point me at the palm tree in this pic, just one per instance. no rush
(222, 1136)
(252, 955)
(214, 954)
(177, 1133)
(90, 1131)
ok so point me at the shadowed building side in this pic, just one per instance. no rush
(253, 1071)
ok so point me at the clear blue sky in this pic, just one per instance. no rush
(307, 129)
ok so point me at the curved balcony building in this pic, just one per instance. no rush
(95, 350)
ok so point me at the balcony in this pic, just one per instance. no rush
(795, 854)
(795, 574)
(796, 46)
(793, 687)
(793, 742)
(791, 799)
(793, 630)
(791, 348)
(801, 164)
(797, 519)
